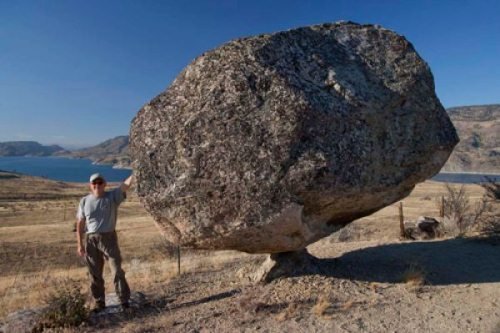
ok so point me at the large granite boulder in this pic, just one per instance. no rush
(269, 143)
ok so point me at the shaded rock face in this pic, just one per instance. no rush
(269, 143)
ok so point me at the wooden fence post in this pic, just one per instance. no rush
(441, 208)
(401, 221)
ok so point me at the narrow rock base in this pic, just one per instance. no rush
(287, 264)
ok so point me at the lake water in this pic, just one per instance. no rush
(60, 168)
(469, 178)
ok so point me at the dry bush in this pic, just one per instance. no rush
(321, 307)
(288, 313)
(347, 305)
(414, 275)
(461, 215)
(65, 306)
(491, 220)
(456, 206)
(492, 188)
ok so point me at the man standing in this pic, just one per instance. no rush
(96, 218)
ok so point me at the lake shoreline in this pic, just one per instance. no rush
(465, 178)
(470, 173)
(61, 168)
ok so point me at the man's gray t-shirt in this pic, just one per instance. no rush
(100, 213)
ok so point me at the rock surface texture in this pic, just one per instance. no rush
(269, 143)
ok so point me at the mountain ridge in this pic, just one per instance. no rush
(478, 127)
(112, 151)
(29, 148)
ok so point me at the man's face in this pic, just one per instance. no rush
(97, 187)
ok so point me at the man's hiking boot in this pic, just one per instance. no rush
(125, 308)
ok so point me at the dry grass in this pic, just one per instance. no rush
(325, 307)
(384, 224)
(26, 188)
(322, 306)
(289, 312)
(37, 243)
(347, 305)
(24, 291)
(38, 246)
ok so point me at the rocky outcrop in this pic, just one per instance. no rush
(269, 143)
(479, 130)
(423, 228)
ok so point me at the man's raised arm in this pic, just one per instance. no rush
(127, 183)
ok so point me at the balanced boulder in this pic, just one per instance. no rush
(269, 143)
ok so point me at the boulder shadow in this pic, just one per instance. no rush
(207, 299)
(443, 262)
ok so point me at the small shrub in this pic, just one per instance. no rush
(347, 305)
(65, 306)
(456, 206)
(288, 313)
(491, 222)
(492, 188)
(414, 275)
(322, 306)
(460, 214)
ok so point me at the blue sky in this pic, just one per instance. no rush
(76, 72)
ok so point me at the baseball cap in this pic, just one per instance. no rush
(96, 176)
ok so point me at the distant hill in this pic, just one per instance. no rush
(28, 148)
(113, 151)
(478, 151)
(479, 130)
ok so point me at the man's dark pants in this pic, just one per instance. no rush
(98, 247)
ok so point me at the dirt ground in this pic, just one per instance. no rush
(370, 280)
(362, 289)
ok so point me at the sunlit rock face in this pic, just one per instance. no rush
(269, 143)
